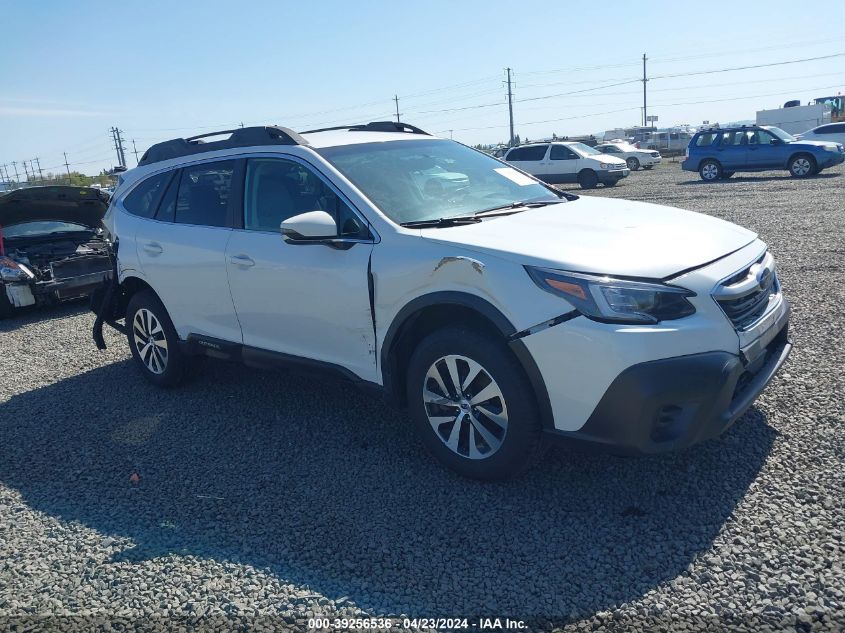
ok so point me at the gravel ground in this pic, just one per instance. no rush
(266, 498)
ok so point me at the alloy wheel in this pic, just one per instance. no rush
(710, 171)
(801, 166)
(465, 407)
(150, 341)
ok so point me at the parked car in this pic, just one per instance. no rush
(633, 157)
(831, 133)
(52, 246)
(718, 153)
(568, 162)
(503, 318)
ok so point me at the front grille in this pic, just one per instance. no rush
(656, 154)
(745, 296)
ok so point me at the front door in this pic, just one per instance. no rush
(305, 300)
(762, 152)
(565, 164)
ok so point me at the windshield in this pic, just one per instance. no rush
(32, 229)
(417, 180)
(784, 136)
(584, 150)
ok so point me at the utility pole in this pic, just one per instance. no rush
(67, 167)
(135, 149)
(510, 106)
(25, 171)
(396, 99)
(40, 173)
(450, 134)
(17, 178)
(645, 79)
(118, 146)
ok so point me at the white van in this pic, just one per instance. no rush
(563, 162)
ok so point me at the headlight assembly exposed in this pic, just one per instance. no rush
(10, 270)
(615, 300)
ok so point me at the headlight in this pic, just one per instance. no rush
(10, 270)
(615, 300)
(604, 165)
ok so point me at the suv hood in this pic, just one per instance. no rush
(602, 235)
(80, 205)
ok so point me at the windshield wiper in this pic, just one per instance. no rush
(527, 204)
(441, 222)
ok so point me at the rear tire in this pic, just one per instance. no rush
(153, 340)
(633, 164)
(802, 166)
(588, 179)
(483, 423)
(710, 170)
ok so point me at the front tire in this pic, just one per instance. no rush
(472, 406)
(588, 179)
(633, 164)
(802, 166)
(710, 171)
(153, 340)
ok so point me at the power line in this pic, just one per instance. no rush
(725, 70)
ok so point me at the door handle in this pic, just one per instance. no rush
(153, 248)
(242, 260)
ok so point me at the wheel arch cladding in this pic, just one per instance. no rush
(131, 286)
(430, 312)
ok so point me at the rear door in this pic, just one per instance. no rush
(732, 150)
(565, 164)
(182, 251)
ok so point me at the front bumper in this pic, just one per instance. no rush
(672, 403)
(613, 175)
(832, 159)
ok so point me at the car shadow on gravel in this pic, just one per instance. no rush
(323, 486)
(755, 179)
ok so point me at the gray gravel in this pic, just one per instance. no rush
(272, 497)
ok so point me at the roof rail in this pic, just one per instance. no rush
(240, 137)
(374, 126)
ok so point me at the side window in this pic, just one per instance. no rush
(278, 189)
(825, 129)
(760, 137)
(562, 152)
(705, 139)
(144, 197)
(726, 138)
(838, 128)
(203, 196)
(742, 138)
(533, 152)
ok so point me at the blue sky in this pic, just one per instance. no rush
(71, 70)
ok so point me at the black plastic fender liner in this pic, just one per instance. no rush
(106, 305)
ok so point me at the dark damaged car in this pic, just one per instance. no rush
(52, 246)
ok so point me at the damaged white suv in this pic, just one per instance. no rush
(500, 311)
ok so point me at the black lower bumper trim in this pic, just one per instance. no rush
(670, 404)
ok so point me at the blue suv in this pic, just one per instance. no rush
(717, 153)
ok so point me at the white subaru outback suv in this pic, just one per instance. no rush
(500, 311)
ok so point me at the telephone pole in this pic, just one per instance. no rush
(67, 167)
(510, 106)
(396, 99)
(118, 146)
(40, 173)
(15, 167)
(135, 149)
(645, 79)
(25, 171)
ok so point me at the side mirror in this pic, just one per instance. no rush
(775, 141)
(314, 226)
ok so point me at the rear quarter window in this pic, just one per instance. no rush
(536, 152)
(706, 139)
(142, 200)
